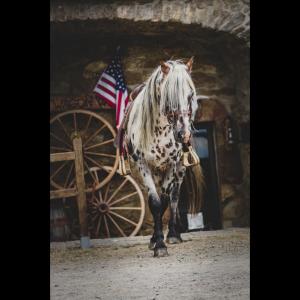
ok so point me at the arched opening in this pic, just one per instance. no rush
(80, 50)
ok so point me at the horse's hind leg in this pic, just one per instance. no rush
(173, 236)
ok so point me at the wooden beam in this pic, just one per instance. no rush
(63, 193)
(80, 182)
(62, 156)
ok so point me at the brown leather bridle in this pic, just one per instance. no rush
(175, 115)
(178, 114)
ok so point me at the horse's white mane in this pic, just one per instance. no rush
(159, 96)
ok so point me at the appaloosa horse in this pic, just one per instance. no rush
(158, 123)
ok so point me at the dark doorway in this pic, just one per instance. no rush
(204, 145)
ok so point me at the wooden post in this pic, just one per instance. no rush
(81, 197)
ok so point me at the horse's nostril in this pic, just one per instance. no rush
(181, 135)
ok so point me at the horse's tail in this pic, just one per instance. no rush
(195, 185)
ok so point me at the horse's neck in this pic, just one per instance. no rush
(162, 121)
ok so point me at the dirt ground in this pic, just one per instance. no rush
(207, 265)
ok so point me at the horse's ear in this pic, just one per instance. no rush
(164, 67)
(189, 64)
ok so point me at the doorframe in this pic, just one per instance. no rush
(215, 163)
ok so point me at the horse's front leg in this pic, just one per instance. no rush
(157, 207)
(157, 213)
(173, 189)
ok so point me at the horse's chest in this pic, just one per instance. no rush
(164, 150)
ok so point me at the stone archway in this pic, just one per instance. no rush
(84, 36)
(232, 16)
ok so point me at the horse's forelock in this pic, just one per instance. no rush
(176, 88)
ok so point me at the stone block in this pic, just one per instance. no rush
(93, 68)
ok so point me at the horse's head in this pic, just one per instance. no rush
(178, 99)
(168, 92)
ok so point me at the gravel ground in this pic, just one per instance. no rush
(207, 265)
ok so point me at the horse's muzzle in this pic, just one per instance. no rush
(184, 136)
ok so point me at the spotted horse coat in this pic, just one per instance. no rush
(159, 163)
(162, 172)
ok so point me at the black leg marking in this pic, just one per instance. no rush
(157, 207)
(173, 236)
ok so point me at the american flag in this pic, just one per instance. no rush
(112, 89)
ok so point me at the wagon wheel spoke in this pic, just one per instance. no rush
(95, 204)
(75, 122)
(96, 176)
(62, 141)
(117, 226)
(96, 199)
(69, 174)
(101, 154)
(89, 171)
(100, 144)
(100, 196)
(93, 135)
(117, 190)
(123, 218)
(64, 128)
(71, 183)
(98, 225)
(96, 215)
(123, 198)
(125, 208)
(106, 226)
(93, 161)
(59, 169)
(106, 192)
(87, 125)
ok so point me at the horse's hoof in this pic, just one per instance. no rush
(173, 240)
(160, 252)
(151, 245)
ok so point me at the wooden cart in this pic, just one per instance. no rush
(84, 165)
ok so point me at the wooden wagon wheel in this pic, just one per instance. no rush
(97, 137)
(118, 209)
